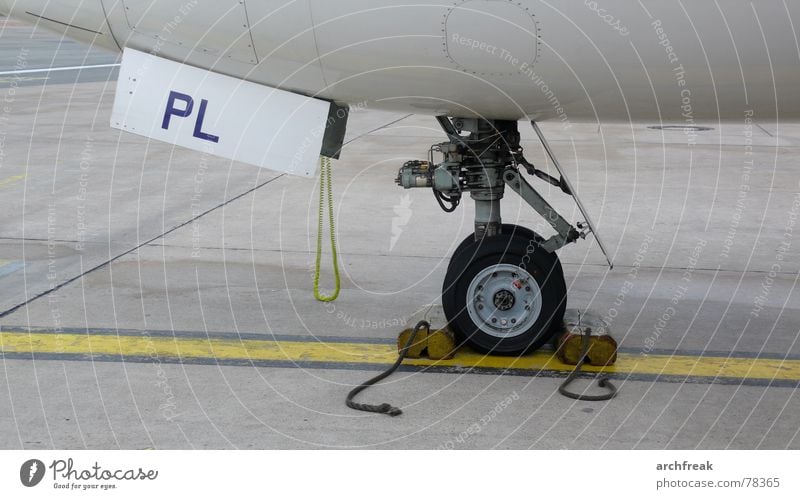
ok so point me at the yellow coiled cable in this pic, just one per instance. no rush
(326, 188)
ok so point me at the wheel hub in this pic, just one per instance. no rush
(504, 300)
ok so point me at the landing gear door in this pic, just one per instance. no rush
(587, 219)
(219, 28)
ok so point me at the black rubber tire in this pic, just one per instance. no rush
(508, 230)
(557, 324)
(508, 249)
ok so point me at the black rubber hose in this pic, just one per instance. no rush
(385, 408)
(602, 381)
(441, 199)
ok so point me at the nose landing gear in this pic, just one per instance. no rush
(504, 290)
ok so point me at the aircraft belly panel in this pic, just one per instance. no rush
(283, 36)
(218, 28)
(656, 60)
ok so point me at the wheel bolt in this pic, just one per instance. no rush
(527, 288)
(480, 307)
(494, 274)
(494, 320)
(513, 321)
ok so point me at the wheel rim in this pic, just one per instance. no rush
(504, 300)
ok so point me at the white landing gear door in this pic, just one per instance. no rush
(574, 194)
(219, 115)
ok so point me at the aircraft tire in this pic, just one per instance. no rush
(504, 294)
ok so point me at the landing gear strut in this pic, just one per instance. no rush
(504, 290)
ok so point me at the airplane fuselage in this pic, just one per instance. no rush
(599, 60)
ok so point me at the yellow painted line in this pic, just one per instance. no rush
(366, 353)
(11, 180)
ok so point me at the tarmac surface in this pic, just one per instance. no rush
(155, 297)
